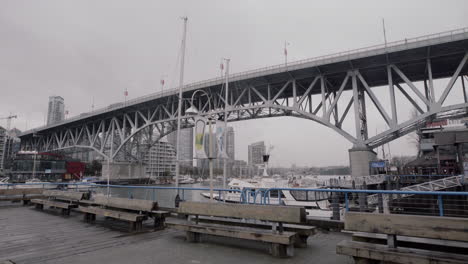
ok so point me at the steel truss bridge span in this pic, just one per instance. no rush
(124, 131)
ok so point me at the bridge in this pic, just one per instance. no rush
(312, 89)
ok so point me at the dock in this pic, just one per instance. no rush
(31, 236)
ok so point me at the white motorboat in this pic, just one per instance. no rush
(36, 183)
(253, 190)
(85, 183)
(4, 183)
(186, 180)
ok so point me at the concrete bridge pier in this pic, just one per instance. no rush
(359, 158)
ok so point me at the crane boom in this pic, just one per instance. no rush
(9, 120)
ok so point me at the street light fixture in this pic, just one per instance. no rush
(192, 110)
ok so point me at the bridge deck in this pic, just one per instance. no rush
(30, 236)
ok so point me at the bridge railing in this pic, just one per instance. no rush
(279, 67)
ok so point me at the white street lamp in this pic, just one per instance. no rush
(192, 110)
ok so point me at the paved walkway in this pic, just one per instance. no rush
(31, 236)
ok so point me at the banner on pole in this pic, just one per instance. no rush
(200, 123)
(220, 134)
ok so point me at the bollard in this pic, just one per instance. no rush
(335, 207)
(380, 200)
(361, 201)
(177, 201)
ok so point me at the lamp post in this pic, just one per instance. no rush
(179, 106)
(192, 110)
(226, 104)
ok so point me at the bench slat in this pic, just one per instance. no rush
(112, 213)
(274, 213)
(398, 255)
(303, 230)
(21, 191)
(449, 228)
(67, 195)
(54, 203)
(285, 238)
(124, 203)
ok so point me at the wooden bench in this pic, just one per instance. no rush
(302, 231)
(395, 238)
(66, 200)
(134, 211)
(281, 241)
(20, 194)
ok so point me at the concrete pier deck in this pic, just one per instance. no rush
(31, 236)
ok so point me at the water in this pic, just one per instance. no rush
(164, 197)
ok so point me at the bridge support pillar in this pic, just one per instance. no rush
(359, 158)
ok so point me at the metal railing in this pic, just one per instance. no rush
(245, 74)
(441, 203)
(165, 195)
(438, 203)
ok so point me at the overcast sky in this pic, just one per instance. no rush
(82, 50)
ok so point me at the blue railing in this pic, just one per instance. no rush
(262, 196)
(346, 192)
(131, 189)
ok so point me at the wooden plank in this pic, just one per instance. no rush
(285, 238)
(67, 195)
(21, 198)
(418, 240)
(124, 203)
(21, 191)
(274, 213)
(448, 228)
(398, 255)
(300, 229)
(54, 203)
(112, 213)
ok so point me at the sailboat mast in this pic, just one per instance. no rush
(179, 107)
(226, 104)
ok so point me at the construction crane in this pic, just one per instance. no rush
(8, 118)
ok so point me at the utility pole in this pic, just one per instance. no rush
(226, 105)
(286, 53)
(384, 33)
(179, 107)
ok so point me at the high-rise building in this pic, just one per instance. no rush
(256, 152)
(56, 111)
(230, 146)
(3, 145)
(160, 160)
(186, 145)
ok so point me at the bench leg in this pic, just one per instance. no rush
(139, 225)
(131, 226)
(358, 260)
(39, 206)
(65, 211)
(89, 217)
(193, 237)
(300, 241)
(159, 222)
(281, 251)
(26, 202)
